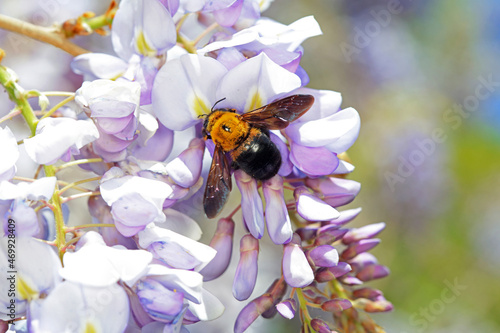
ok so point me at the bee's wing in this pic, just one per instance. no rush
(218, 184)
(277, 115)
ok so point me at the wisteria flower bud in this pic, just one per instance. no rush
(350, 280)
(324, 256)
(277, 290)
(369, 293)
(372, 272)
(365, 232)
(296, 269)
(320, 326)
(246, 271)
(336, 304)
(222, 242)
(329, 234)
(326, 274)
(336, 191)
(359, 247)
(277, 218)
(251, 203)
(252, 311)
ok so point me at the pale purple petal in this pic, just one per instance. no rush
(26, 220)
(336, 191)
(230, 57)
(296, 269)
(226, 17)
(254, 83)
(174, 249)
(132, 213)
(326, 274)
(287, 308)
(288, 60)
(324, 256)
(326, 103)
(142, 27)
(106, 98)
(286, 165)
(336, 132)
(329, 233)
(159, 302)
(246, 271)
(182, 224)
(316, 161)
(362, 260)
(98, 66)
(187, 282)
(81, 308)
(251, 203)
(372, 272)
(55, 136)
(185, 169)
(157, 147)
(278, 222)
(184, 89)
(209, 308)
(312, 208)
(222, 242)
(346, 216)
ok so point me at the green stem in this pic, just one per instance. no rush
(18, 96)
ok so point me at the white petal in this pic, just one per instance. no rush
(210, 307)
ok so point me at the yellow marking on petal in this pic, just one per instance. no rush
(26, 292)
(199, 106)
(89, 328)
(255, 101)
(142, 45)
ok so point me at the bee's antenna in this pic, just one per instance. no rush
(220, 100)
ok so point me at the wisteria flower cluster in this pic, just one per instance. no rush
(137, 130)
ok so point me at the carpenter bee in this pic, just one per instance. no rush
(246, 138)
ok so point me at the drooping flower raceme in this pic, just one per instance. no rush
(138, 130)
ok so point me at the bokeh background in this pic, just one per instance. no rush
(425, 79)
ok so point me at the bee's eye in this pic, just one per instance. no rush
(225, 128)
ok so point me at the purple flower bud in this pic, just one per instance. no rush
(381, 305)
(367, 231)
(345, 217)
(276, 290)
(327, 274)
(350, 280)
(320, 326)
(296, 269)
(336, 304)
(306, 233)
(251, 203)
(358, 247)
(287, 308)
(277, 219)
(223, 243)
(372, 272)
(329, 234)
(246, 272)
(324, 256)
(369, 293)
(362, 260)
(311, 207)
(251, 312)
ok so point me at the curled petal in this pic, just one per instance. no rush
(317, 161)
(246, 271)
(98, 66)
(222, 242)
(296, 269)
(185, 169)
(56, 136)
(251, 203)
(312, 208)
(278, 222)
(337, 132)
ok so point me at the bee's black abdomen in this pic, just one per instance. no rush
(258, 156)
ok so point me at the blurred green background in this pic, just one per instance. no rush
(424, 77)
